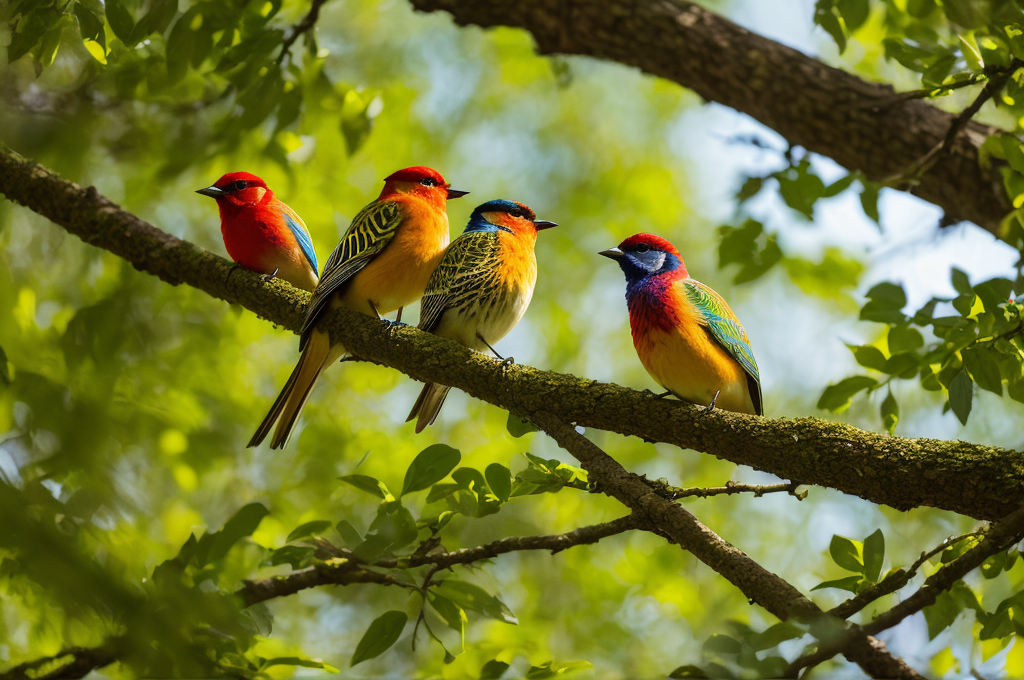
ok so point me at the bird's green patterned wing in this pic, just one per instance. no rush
(370, 231)
(464, 273)
(725, 328)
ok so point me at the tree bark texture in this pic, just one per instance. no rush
(979, 481)
(861, 125)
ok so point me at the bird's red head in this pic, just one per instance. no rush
(424, 182)
(652, 241)
(238, 188)
(645, 255)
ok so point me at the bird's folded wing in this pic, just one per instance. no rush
(298, 229)
(723, 325)
(370, 231)
(463, 276)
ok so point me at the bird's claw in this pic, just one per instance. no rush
(654, 394)
(507, 361)
(711, 407)
(270, 277)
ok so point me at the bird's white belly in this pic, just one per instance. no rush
(492, 318)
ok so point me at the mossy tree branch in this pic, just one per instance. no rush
(861, 125)
(979, 481)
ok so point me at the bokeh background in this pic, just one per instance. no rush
(135, 398)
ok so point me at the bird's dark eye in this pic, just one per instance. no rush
(240, 184)
(642, 248)
(428, 182)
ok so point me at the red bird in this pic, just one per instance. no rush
(260, 232)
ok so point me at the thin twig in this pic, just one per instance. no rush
(304, 26)
(674, 493)
(922, 165)
(892, 582)
(998, 537)
(555, 543)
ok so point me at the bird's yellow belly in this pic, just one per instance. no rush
(398, 276)
(695, 368)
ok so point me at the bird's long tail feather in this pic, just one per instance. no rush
(428, 405)
(317, 354)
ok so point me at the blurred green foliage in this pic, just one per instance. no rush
(132, 511)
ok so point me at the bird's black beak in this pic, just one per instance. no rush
(543, 224)
(455, 193)
(613, 253)
(212, 192)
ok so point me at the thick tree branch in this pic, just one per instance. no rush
(681, 527)
(979, 481)
(861, 125)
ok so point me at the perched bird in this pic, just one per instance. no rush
(382, 264)
(685, 334)
(260, 232)
(481, 288)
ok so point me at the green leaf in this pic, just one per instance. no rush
(775, 635)
(848, 583)
(825, 17)
(474, 598)
(839, 186)
(854, 13)
(890, 412)
(688, 671)
(156, 20)
(499, 478)
(941, 614)
(885, 305)
(903, 338)
(984, 368)
(120, 20)
(722, 644)
(298, 556)
(869, 356)
(378, 638)
(837, 397)
(429, 467)
(297, 661)
(440, 491)
(90, 26)
(751, 187)
(368, 484)
(493, 670)
(215, 546)
(846, 554)
(449, 611)
(517, 427)
(348, 533)
(869, 201)
(308, 529)
(961, 393)
(874, 552)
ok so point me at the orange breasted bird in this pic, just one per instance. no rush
(685, 334)
(260, 232)
(381, 265)
(481, 288)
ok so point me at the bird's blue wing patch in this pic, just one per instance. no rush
(294, 223)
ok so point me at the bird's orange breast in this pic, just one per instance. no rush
(685, 359)
(398, 276)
